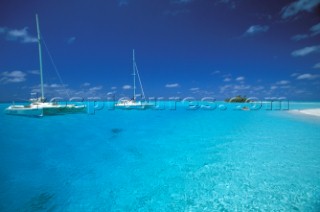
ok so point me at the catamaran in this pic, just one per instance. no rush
(133, 103)
(39, 106)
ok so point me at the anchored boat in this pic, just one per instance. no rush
(133, 103)
(39, 106)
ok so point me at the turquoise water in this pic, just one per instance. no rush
(161, 160)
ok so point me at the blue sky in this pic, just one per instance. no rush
(216, 48)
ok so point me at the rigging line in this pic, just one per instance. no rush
(25, 100)
(140, 81)
(54, 66)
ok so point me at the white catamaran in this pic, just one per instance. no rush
(38, 106)
(125, 103)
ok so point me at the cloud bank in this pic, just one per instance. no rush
(307, 76)
(173, 85)
(126, 87)
(12, 77)
(256, 29)
(20, 35)
(299, 6)
(305, 51)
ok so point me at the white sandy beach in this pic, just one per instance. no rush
(312, 112)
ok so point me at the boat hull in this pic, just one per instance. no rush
(43, 109)
(24, 111)
(130, 105)
(73, 109)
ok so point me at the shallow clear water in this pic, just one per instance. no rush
(161, 160)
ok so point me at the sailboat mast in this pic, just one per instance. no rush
(134, 75)
(40, 57)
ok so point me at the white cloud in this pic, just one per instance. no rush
(3, 30)
(216, 72)
(113, 88)
(126, 87)
(234, 88)
(305, 51)
(227, 79)
(96, 88)
(273, 87)
(294, 74)
(194, 89)
(94, 98)
(285, 86)
(55, 86)
(36, 72)
(240, 78)
(255, 29)
(20, 35)
(307, 76)
(300, 91)
(298, 6)
(12, 77)
(224, 88)
(86, 84)
(18, 32)
(92, 93)
(317, 66)
(123, 3)
(258, 88)
(315, 29)
(71, 40)
(299, 37)
(242, 87)
(283, 82)
(173, 85)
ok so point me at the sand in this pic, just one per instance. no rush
(312, 112)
